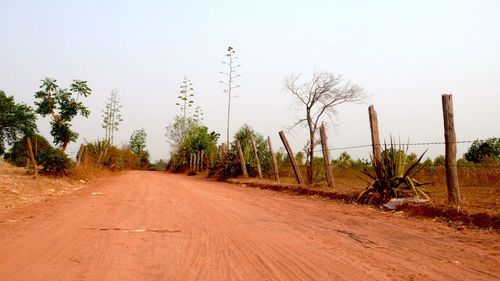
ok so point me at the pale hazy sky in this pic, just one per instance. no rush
(405, 54)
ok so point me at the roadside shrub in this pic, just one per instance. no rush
(480, 151)
(391, 177)
(54, 162)
(102, 154)
(227, 167)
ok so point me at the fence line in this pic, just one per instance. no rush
(398, 144)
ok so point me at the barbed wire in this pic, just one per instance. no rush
(396, 144)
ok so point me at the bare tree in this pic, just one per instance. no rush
(229, 83)
(320, 97)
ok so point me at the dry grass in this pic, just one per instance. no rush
(18, 188)
(479, 188)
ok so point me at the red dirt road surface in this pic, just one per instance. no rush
(157, 226)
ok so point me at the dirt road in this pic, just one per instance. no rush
(157, 226)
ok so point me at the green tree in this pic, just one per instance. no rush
(137, 145)
(137, 141)
(439, 160)
(62, 105)
(344, 160)
(16, 120)
(112, 116)
(482, 150)
(299, 157)
(198, 138)
(243, 136)
(175, 130)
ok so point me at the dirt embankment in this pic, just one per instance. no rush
(444, 213)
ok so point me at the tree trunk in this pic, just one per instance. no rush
(310, 167)
(64, 146)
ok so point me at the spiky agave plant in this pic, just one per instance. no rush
(391, 177)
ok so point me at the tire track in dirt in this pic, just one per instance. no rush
(226, 232)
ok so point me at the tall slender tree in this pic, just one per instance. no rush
(230, 75)
(185, 101)
(198, 114)
(112, 116)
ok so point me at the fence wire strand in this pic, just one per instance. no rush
(395, 144)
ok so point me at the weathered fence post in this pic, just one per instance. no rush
(191, 158)
(451, 151)
(326, 156)
(374, 132)
(256, 155)
(242, 159)
(202, 158)
(273, 157)
(198, 161)
(292, 158)
(80, 155)
(32, 157)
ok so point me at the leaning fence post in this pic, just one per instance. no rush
(273, 157)
(32, 157)
(326, 156)
(292, 158)
(80, 155)
(256, 155)
(242, 159)
(451, 150)
(374, 133)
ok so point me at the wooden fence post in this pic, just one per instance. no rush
(374, 132)
(326, 156)
(298, 175)
(195, 161)
(273, 157)
(191, 161)
(32, 157)
(80, 155)
(451, 151)
(202, 158)
(242, 159)
(256, 155)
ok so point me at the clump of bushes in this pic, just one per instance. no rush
(54, 162)
(101, 153)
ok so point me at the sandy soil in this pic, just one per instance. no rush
(18, 188)
(156, 226)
